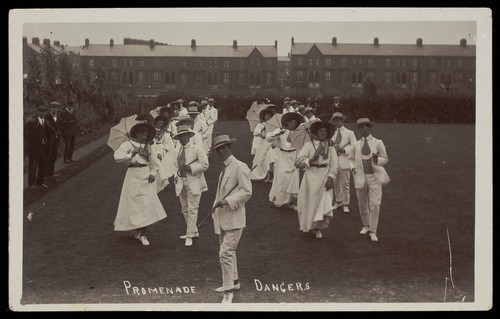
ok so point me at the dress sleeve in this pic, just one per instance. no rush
(123, 153)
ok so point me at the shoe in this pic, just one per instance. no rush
(228, 297)
(189, 242)
(318, 234)
(364, 231)
(44, 186)
(66, 162)
(235, 287)
(346, 209)
(293, 207)
(337, 206)
(137, 235)
(373, 237)
(185, 236)
(144, 240)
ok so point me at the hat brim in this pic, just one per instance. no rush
(317, 125)
(291, 116)
(224, 143)
(176, 136)
(143, 127)
(368, 123)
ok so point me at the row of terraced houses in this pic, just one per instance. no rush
(153, 68)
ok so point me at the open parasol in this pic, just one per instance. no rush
(273, 123)
(120, 132)
(274, 108)
(301, 135)
(253, 115)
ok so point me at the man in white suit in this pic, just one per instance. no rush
(191, 161)
(366, 159)
(343, 141)
(211, 116)
(233, 191)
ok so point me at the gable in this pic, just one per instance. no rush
(255, 54)
(314, 52)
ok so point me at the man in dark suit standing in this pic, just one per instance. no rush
(36, 134)
(69, 128)
(54, 124)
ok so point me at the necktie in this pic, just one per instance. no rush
(42, 121)
(181, 160)
(366, 149)
(338, 139)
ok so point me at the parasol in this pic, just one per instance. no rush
(120, 132)
(273, 123)
(274, 108)
(301, 135)
(253, 115)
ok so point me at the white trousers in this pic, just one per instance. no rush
(228, 240)
(369, 200)
(342, 191)
(189, 208)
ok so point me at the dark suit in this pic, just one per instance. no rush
(36, 146)
(69, 129)
(55, 129)
(336, 108)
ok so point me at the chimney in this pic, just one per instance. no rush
(25, 40)
(334, 41)
(62, 46)
(46, 42)
(126, 40)
(275, 44)
(463, 43)
(87, 42)
(375, 42)
(193, 43)
(235, 44)
(419, 42)
(36, 41)
(57, 43)
(293, 42)
(111, 42)
(152, 43)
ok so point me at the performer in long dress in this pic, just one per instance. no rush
(286, 175)
(320, 162)
(261, 164)
(212, 116)
(163, 147)
(139, 205)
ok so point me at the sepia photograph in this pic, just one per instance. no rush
(257, 159)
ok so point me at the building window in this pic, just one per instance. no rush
(317, 77)
(404, 78)
(113, 63)
(414, 63)
(354, 78)
(404, 63)
(369, 76)
(215, 64)
(360, 61)
(156, 63)
(317, 61)
(209, 78)
(398, 78)
(397, 63)
(299, 61)
(156, 77)
(226, 66)
(459, 63)
(433, 77)
(124, 78)
(114, 77)
(141, 63)
(269, 64)
(172, 78)
(387, 63)
(226, 76)
(310, 77)
(198, 64)
(449, 63)
(300, 76)
(125, 63)
(448, 78)
(173, 63)
(360, 77)
(184, 78)
(387, 77)
(183, 64)
(432, 63)
(258, 63)
(328, 62)
(252, 79)
(344, 62)
(91, 63)
(257, 79)
(167, 77)
(269, 78)
(310, 61)
(327, 76)
(199, 78)
(415, 77)
(343, 77)
(459, 76)
(442, 78)
(141, 77)
(216, 78)
(242, 64)
(370, 63)
(241, 79)
(131, 64)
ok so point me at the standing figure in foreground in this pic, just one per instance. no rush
(191, 161)
(163, 149)
(320, 162)
(36, 145)
(211, 115)
(261, 164)
(233, 191)
(55, 127)
(139, 205)
(366, 159)
(343, 141)
(69, 129)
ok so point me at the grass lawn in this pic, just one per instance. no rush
(72, 255)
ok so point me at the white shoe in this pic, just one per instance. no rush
(189, 242)
(144, 240)
(221, 289)
(364, 231)
(337, 206)
(318, 234)
(373, 237)
(227, 298)
(136, 236)
(346, 209)
(185, 236)
(293, 207)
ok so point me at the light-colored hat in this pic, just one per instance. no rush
(302, 107)
(179, 101)
(184, 120)
(307, 109)
(222, 140)
(287, 98)
(54, 104)
(336, 98)
(203, 102)
(193, 110)
(364, 121)
(211, 100)
(337, 115)
(183, 129)
(294, 102)
(192, 103)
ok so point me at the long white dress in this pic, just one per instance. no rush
(139, 204)
(314, 202)
(262, 160)
(257, 137)
(165, 147)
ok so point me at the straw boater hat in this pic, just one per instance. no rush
(263, 113)
(162, 118)
(193, 110)
(184, 120)
(364, 121)
(307, 109)
(143, 127)
(211, 100)
(183, 129)
(291, 116)
(179, 101)
(287, 99)
(222, 140)
(203, 103)
(338, 115)
(315, 126)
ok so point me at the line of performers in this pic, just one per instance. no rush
(314, 179)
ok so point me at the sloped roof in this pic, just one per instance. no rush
(38, 49)
(135, 50)
(386, 49)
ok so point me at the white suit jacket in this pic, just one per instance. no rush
(356, 161)
(201, 127)
(194, 181)
(211, 116)
(236, 188)
(347, 143)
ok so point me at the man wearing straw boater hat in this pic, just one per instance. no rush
(199, 125)
(233, 191)
(343, 140)
(366, 159)
(187, 120)
(211, 116)
(191, 161)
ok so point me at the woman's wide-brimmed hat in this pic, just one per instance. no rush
(143, 127)
(364, 121)
(263, 113)
(144, 117)
(162, 118)
(222, 140)
(291, 116)
(273, 108)
(183, 129)
(319, 124)
(184, 120)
